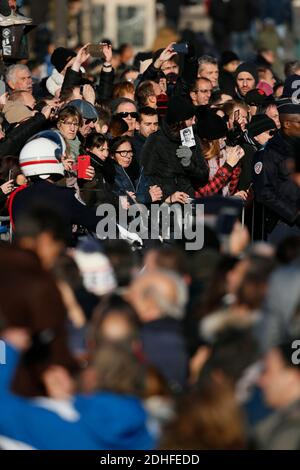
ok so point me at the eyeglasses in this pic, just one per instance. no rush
(89, 121)
(202, 91)
(125, 153)
(125, 115)
(69, 123)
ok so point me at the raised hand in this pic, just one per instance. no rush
(7, 187)
(107, 52)
(81, 58)
(89, 94)
(166, 54)
(90, 172)
(234, 155)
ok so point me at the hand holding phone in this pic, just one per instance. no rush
(181, 48)
(83, 161)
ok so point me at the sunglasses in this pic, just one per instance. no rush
(125, 115)
(89, 121)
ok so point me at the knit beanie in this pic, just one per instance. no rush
(249, 67)
(227, 57)
(179, 109)
(60, 57)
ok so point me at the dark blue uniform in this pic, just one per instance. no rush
(273, 185)
(58, 198)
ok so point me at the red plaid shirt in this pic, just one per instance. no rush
(224, 175)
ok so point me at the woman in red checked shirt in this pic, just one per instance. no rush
(223, 161)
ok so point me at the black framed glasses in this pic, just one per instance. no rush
(125, 153)
(125, 115)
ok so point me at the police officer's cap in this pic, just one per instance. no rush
(288, 106)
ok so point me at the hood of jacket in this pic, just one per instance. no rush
(117, 422)
(54, 82)
(167, 132)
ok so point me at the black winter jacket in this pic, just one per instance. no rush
(273, 185)
(57, 198)
(161, 164)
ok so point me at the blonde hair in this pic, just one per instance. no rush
(210, 148)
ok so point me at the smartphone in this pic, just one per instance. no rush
(181, 48)
(96, 50)
(54, 113)
(11, 175)
(83, 161)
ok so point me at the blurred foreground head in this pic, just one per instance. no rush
(42, 230)
(29, 298)
(158, 294)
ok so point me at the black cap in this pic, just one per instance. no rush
(260, 123)
(60, 57)
(210, 126)
(179, 109)
(257, 98)
(288, 106)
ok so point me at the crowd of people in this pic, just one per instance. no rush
(121, 343)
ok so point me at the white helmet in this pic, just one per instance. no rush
(41, 156)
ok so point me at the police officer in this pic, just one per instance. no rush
(41, 162)
(273, 168)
